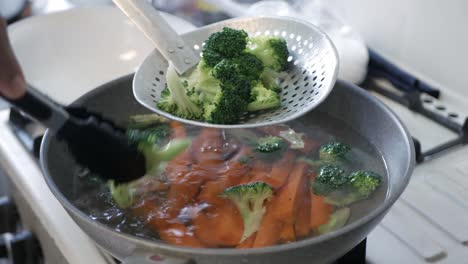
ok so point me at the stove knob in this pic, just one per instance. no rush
(9, 216)
(20, 248)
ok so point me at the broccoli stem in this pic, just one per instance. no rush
(154, 156)
(178, 93)
(145, 120)
(336, 221)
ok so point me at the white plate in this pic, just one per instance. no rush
(66, 54)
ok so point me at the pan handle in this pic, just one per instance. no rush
(141, 257)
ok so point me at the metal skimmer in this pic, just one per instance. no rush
(310, 78)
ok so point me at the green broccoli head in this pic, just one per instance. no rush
(145, 120)
(124, 194)
(227, 107)
(365, 182)
(270, 144)
(249, 199)
(174, 98)
(153, 135)
(224, 44)
(202, 85)
(333, 151)
(249, 65)
(262, 98)
(360, 185)
(329, 179)
(243, 66)
(269, 80)
(211, 57)
(154, 154)
(272, 51)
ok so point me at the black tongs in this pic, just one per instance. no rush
(95, 142)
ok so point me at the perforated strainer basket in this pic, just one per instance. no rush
(311, 75)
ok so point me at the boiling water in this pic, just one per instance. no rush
(93, 197)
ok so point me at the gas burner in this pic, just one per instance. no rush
(17, 245)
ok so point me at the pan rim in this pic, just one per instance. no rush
(162, 246)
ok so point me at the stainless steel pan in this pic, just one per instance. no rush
(348, 103)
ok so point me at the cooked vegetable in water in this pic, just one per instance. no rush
(241, 188)
(236, 74)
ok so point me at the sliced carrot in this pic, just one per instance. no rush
(177, 234)
(221, 225)
(320, 211)
(260, 172)
(210, 192)
(268, 232)
(248, 242)
(302, 225)
(207, 147)
(281, 169)
(182, 192)
(287, 234)
(153, 213)
(289, 194)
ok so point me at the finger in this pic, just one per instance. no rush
(12, 83)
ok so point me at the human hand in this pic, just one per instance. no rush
(12, 83)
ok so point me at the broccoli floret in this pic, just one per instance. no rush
(249, 65)
(201, 84)
(211, 57)
(270, 144)
(229, 80)
(333, 152)
(273, 51)
(154, 135)
(360, 185)
(226, 71)
(329, 179)
(246, 159)
(227, 107)
(263, 99)
(269, 79)
(174, 98)
(146, 120)
(246, 65)
(250, 199)
(365, 182)
(336, 221)
(154, 154)
(224, 44)
(124, 194)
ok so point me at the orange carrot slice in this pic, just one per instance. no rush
(320, 211)
(221, 225)
(289, 194)
(287, 234)
(268, 233)
(281, 169)
(302, 225)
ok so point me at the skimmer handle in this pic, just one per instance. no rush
(163, 36)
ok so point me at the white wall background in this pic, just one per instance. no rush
(428, 37)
